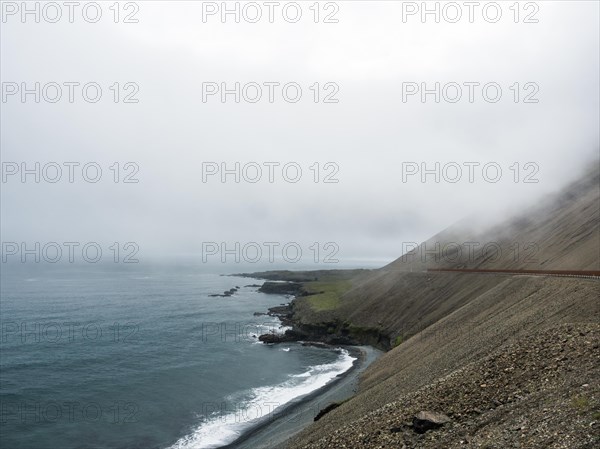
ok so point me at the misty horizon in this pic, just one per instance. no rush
(169, 131)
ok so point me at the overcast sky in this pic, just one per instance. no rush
(366, 136)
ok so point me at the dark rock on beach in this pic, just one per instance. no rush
(326, 410)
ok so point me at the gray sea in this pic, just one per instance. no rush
(140, 356)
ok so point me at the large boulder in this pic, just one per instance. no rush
(424, 421)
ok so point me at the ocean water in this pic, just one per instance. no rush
(141, 357)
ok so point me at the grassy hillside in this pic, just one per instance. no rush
(326, 295)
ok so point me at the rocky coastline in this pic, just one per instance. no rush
(329, 332)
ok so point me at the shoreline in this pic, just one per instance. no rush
(299, 413)
(273, 431)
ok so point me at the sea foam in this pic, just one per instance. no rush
(225, 426)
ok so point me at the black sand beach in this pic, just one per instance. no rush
(297, 415)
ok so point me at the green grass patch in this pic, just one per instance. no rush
(398, 341)
(327, 294)
(580, 402)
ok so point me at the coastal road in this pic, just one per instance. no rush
(562, 273)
